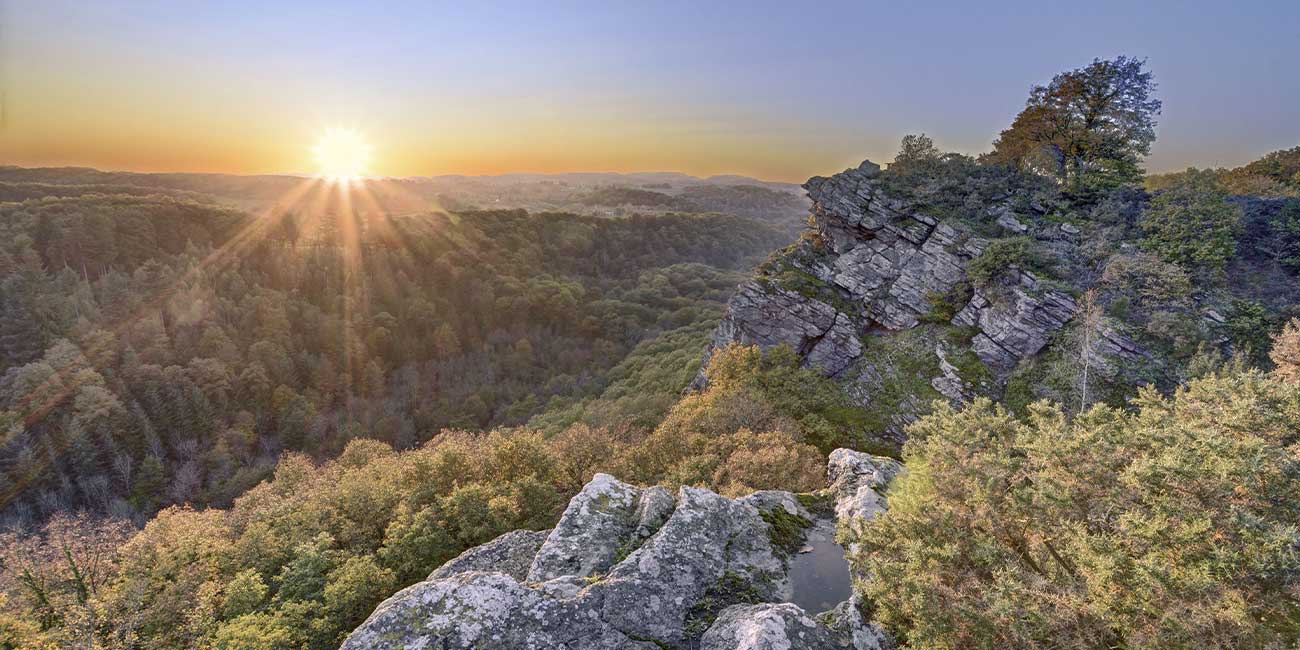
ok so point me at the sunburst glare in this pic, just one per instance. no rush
(341, 154)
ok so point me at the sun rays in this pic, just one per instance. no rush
(337, 211)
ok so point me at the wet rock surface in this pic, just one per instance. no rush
(631, 567)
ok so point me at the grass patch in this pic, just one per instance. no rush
(820, 504)
(944, 306)
(785, 530)
(730, 589)
(905, 362)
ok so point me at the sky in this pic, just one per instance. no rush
(779, 90)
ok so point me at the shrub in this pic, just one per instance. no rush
(1192, 223)
(1146, 279)
(1286, 352)
(1002, 257)
(1250, 327)
(1285, 232)
(1170, 526)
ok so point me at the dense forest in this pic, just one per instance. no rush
(158, 350)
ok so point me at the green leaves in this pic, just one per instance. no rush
(1172, 526)
(1192, 223)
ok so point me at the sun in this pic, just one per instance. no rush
(341, 154)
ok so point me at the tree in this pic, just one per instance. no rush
(1090, 315)
(1286, 352)
(56, 573)
(1192, 223)
(245, 593)
(1170, 526)
(1285, 232)
(354, 588)
(1089, 128)
(916, 150)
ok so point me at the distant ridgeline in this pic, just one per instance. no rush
(603, 194)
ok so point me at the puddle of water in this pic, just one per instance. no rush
(819, 579)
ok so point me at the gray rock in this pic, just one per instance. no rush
(653, 508)
(859, 480)
(770, 500)
(707, 538)
(1013, 329)
(485, 611)
(950, 383)
(767, 627)
(768, 316)
(606, 517)
(1008, 220)
(1111, 351)
(511, 554)
(850, 629)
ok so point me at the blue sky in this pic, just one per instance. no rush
(777, 90)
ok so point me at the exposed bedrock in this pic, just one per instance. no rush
(629, 567)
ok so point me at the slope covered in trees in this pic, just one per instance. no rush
(161, 351)
(302, 558)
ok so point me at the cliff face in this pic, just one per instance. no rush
(880, 294)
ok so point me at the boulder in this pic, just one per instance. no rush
(485, 611)
(858, 482)
(850, 629)
(767, 627)
(709, 542)
(602, 520)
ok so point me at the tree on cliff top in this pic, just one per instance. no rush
(1089, 128)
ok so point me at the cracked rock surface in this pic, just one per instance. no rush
(630, 567)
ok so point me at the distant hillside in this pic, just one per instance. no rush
(156, 350)
(601, 194)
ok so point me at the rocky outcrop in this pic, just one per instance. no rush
(1015, 326)
(609, 517)
(631, 568)
(768, 316)
(878, 266)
